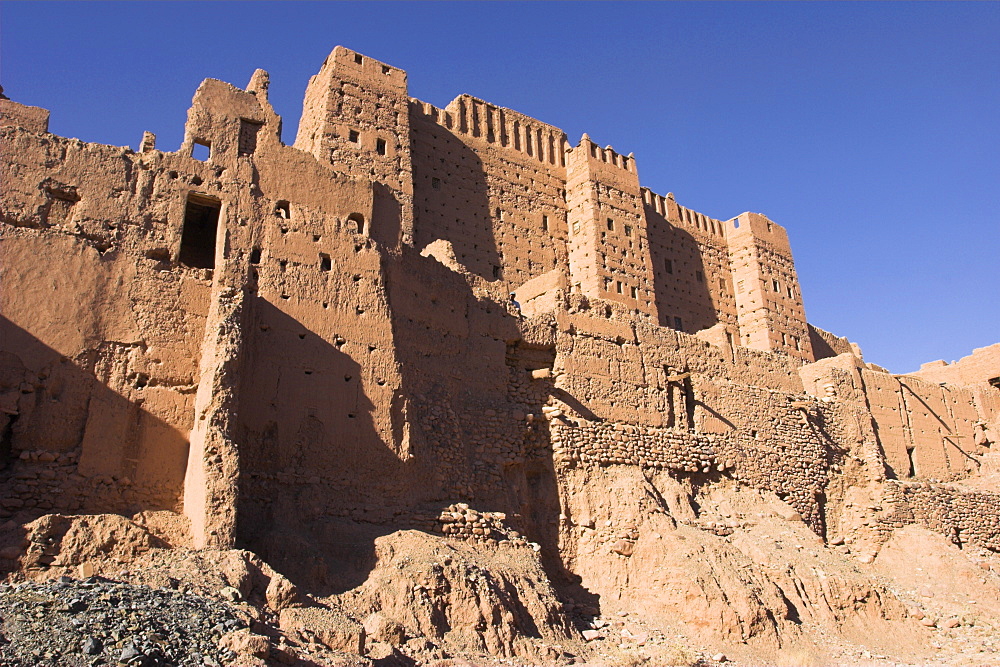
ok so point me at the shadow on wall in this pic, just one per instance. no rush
(318, 485)
(677, 265)
(91, 446)
(451, 198)
(476, 450)
(312, 465)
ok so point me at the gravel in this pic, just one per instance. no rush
(96, 621)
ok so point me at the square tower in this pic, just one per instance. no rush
(607, 245)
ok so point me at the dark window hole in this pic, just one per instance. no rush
(201, 223)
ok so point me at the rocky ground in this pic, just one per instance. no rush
(109, 590)
(95, 621)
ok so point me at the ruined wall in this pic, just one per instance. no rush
(100, 342)
(924, 430)
(980, 367)
(305, 347)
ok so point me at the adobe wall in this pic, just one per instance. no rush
(768, 299)
(493, 183)
(925, 430)
(692, 276)
(338, 358)
(980, 367)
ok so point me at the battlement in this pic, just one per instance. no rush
(674, 213)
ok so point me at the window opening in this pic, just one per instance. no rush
(618, 286)
(380, 146)
(255, 256)
(282, 210)
(611, 225)
(635, 292)
(201, 150)
(358, 59)
(359, 222)
(325, 263)
(678, 323)
(699, 276)
(354, 136)
(545, 223)
(436, 183)
(201, 223)
(628, 230)
(668, 266)
(777, 288)
(385, 69)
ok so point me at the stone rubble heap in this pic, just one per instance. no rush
(461, 522)
(96, 621)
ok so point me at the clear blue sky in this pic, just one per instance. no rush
(870, 131)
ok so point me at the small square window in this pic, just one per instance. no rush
(201, 151)
(358, 59)
(385, 69)
(354, 136)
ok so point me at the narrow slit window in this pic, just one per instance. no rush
(668, 266)
(699, 276)
(678, 323)
(611, 225)
(325, 263)
(201, 223)
(618, 286)
(380, 146)
(545, 223)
